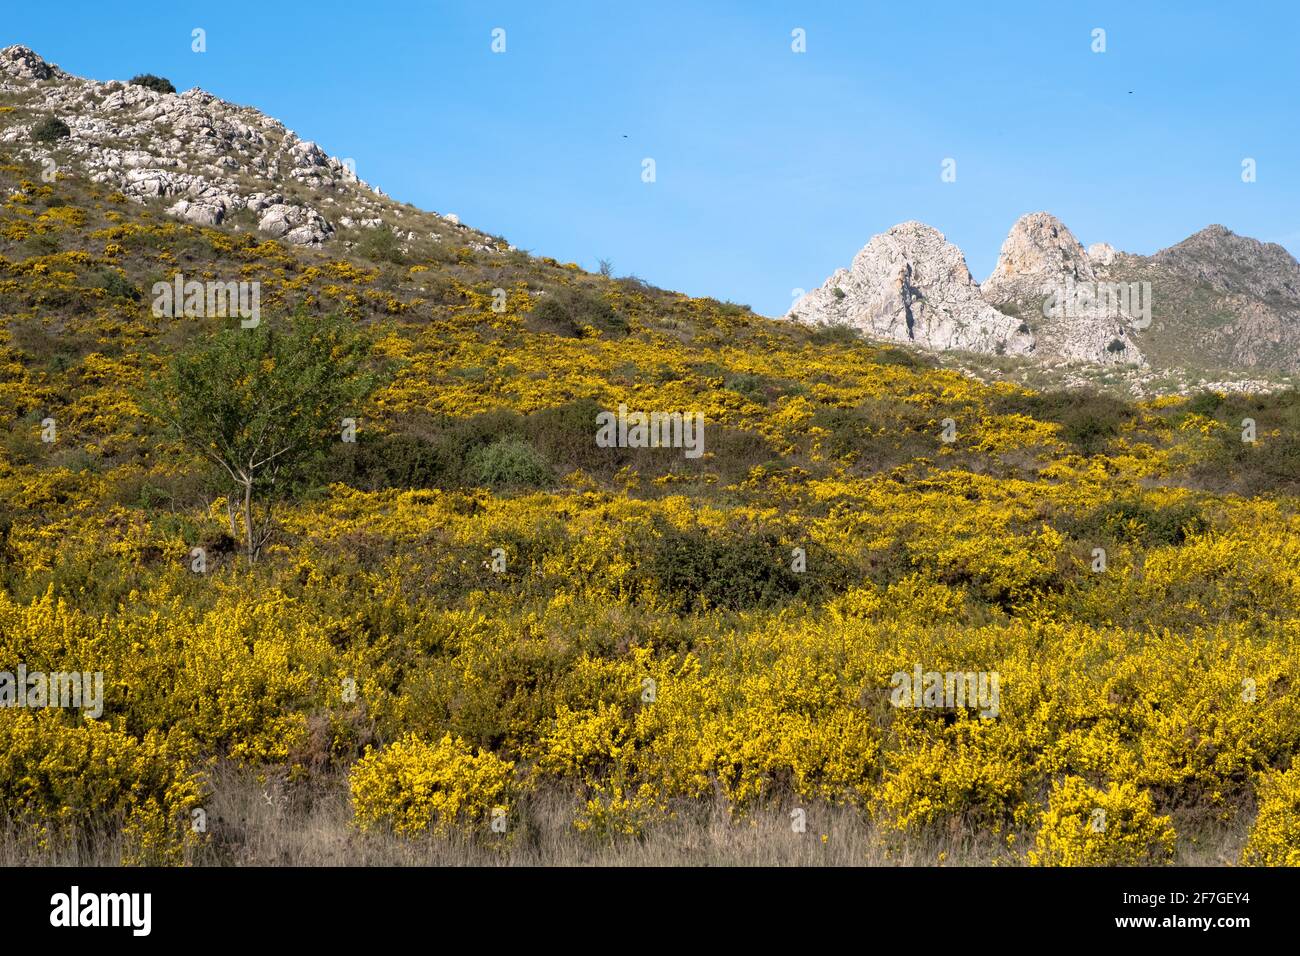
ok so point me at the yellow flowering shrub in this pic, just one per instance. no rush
(58, 776)
(1275, 837)
(1086, 826)
(413, 786)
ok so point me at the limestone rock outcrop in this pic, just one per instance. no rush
(206, 158)
(1044, 275)
(911, 285)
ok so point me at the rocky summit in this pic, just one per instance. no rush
(1038, 251)
(1044, 275)
(912, 285)
(1237, 264)
(210, 161)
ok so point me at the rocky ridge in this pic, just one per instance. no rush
(206, 159)
(1211, 308)
(910, 285)
(1237, 265)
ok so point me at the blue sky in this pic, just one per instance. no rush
(772, 167)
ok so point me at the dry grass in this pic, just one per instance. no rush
(265, 821)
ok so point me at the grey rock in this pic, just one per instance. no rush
(1039, 270)
(21, 63)
(911, 285)
(204, 212)
(1101, 254)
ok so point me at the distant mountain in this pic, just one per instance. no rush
(1215, 303)
(1220, 302)
(1237, 265)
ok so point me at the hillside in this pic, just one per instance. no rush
(478, 635)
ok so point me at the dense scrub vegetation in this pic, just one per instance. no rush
(473, 604)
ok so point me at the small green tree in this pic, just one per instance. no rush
(265, 405)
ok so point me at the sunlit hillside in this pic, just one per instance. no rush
(472, 632)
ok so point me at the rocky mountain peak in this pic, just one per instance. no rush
(1044, 275)
(1236, 264)
(1038, 250)
(22, 63)
(909, 284)
(1102, 254)
(207, 159)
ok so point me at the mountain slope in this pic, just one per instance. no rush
(477, 612)
(1220, 302)
(209, 161)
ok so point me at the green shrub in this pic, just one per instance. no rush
(510, 463)
(156, 83)
(1204, 403)
(876, 434)
(1089, 419)
(566, 435)
(570, 311)
(697, 570)
(116, 285)
(1135, 521)
(1271, 463)
(446, 454)
(837, 334)
(753, 387)
(50, 129)
(394, 461)
(902, 358)
(381, 244)
(733, 453)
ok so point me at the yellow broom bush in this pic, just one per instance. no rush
(1275, 837)
(1087, 826)
(413, 786)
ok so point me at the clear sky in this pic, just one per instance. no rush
(772, 167)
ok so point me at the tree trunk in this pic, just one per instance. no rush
(249, 544)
